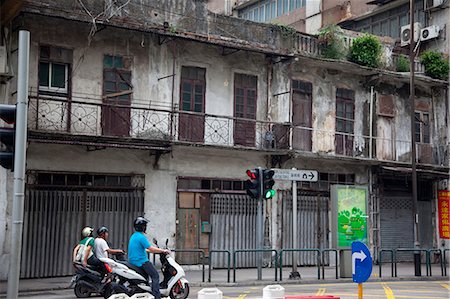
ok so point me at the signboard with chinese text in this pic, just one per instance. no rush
(350, 210)
(444, 215)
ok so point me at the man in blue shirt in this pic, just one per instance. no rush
(137, 253)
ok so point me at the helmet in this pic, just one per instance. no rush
(140, 224)
(87, 231)
(102, 230)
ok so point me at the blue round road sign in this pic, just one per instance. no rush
(361, 262)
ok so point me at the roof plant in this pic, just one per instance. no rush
(436, 66)
(366, 51)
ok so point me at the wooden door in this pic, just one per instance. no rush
(192, 100)
(302, 115)
(188, 236)
(117, 91)
(245, 96)
(345, 118)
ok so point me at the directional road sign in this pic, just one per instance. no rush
(296, 175)
(361, 262)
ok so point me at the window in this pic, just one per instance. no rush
(116, 79)
(389, 23)
(54, 69)
(345, 118)
(266, 10)
(422, 127)
(192, 88)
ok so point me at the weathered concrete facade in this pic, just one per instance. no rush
(73, 140)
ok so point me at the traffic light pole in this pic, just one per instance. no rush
(19, 164)
(294, 274)
(260, 223)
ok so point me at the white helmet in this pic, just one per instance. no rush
(87, 231)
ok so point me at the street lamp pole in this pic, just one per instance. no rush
(417, 269)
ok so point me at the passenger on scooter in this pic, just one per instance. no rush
(137, 253)
(101, 246)
(84, 251)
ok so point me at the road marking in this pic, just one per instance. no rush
(388, 291)
(445, 285)
(320, 292)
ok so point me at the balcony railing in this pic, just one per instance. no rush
(93, 118)
(309, 45)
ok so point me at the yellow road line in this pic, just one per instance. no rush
(242, 296)
(320, 292)
(445, 285)
(388, 291)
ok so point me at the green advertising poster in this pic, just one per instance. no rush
(350, 214)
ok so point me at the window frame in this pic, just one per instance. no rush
(193, 83)
(245, 88)
(50, 88)
(422, 126)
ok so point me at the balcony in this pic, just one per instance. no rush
(57, 119)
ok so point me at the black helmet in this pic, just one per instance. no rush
(102, 230)
(140, 224)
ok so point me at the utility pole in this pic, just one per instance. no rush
(417, 269)
(19, 164)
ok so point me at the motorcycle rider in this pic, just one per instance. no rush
(137, 253)
(84, 251)
(101, 246)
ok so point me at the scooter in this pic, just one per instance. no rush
(135, 280)
(87, 281)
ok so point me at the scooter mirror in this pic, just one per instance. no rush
(167, 242)
(155, 241)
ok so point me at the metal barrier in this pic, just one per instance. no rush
(380, 261)
(441, 261)
(445, 260)
(300, 250)
(228, 263)
(323, 261)
(411, 250)
(202, 257)
(256, 251)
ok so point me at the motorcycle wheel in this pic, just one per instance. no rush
(114, 288)
(179, 292)
(81, 292)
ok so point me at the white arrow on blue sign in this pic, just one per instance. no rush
(361, 262)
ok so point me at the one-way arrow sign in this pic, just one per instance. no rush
(361, 262)
(301, 175)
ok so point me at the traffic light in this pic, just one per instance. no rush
(268, 183)
(252, 185)
(8, 115)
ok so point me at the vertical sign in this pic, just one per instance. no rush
(444, 215)
(349, 214)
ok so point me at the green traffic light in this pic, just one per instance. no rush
(270, 193)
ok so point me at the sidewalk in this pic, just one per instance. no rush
(247, 277)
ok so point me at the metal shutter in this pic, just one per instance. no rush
(397, 224)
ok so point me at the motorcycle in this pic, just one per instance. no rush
(87, 281)
(135, 280)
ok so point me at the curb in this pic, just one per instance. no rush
(261, 283)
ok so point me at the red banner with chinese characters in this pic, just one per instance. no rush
(444, 215)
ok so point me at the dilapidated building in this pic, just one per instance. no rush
(138, 107)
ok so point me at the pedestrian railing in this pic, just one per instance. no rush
(444, 258)
(316, 250)
(412, 250)
(380, 261)
(336, 253)
(441, 260)
(256, 251)
(228, 263)
(201, 252)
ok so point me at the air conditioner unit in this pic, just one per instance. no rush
(406, 33)
(429, 4)
(429, 32)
